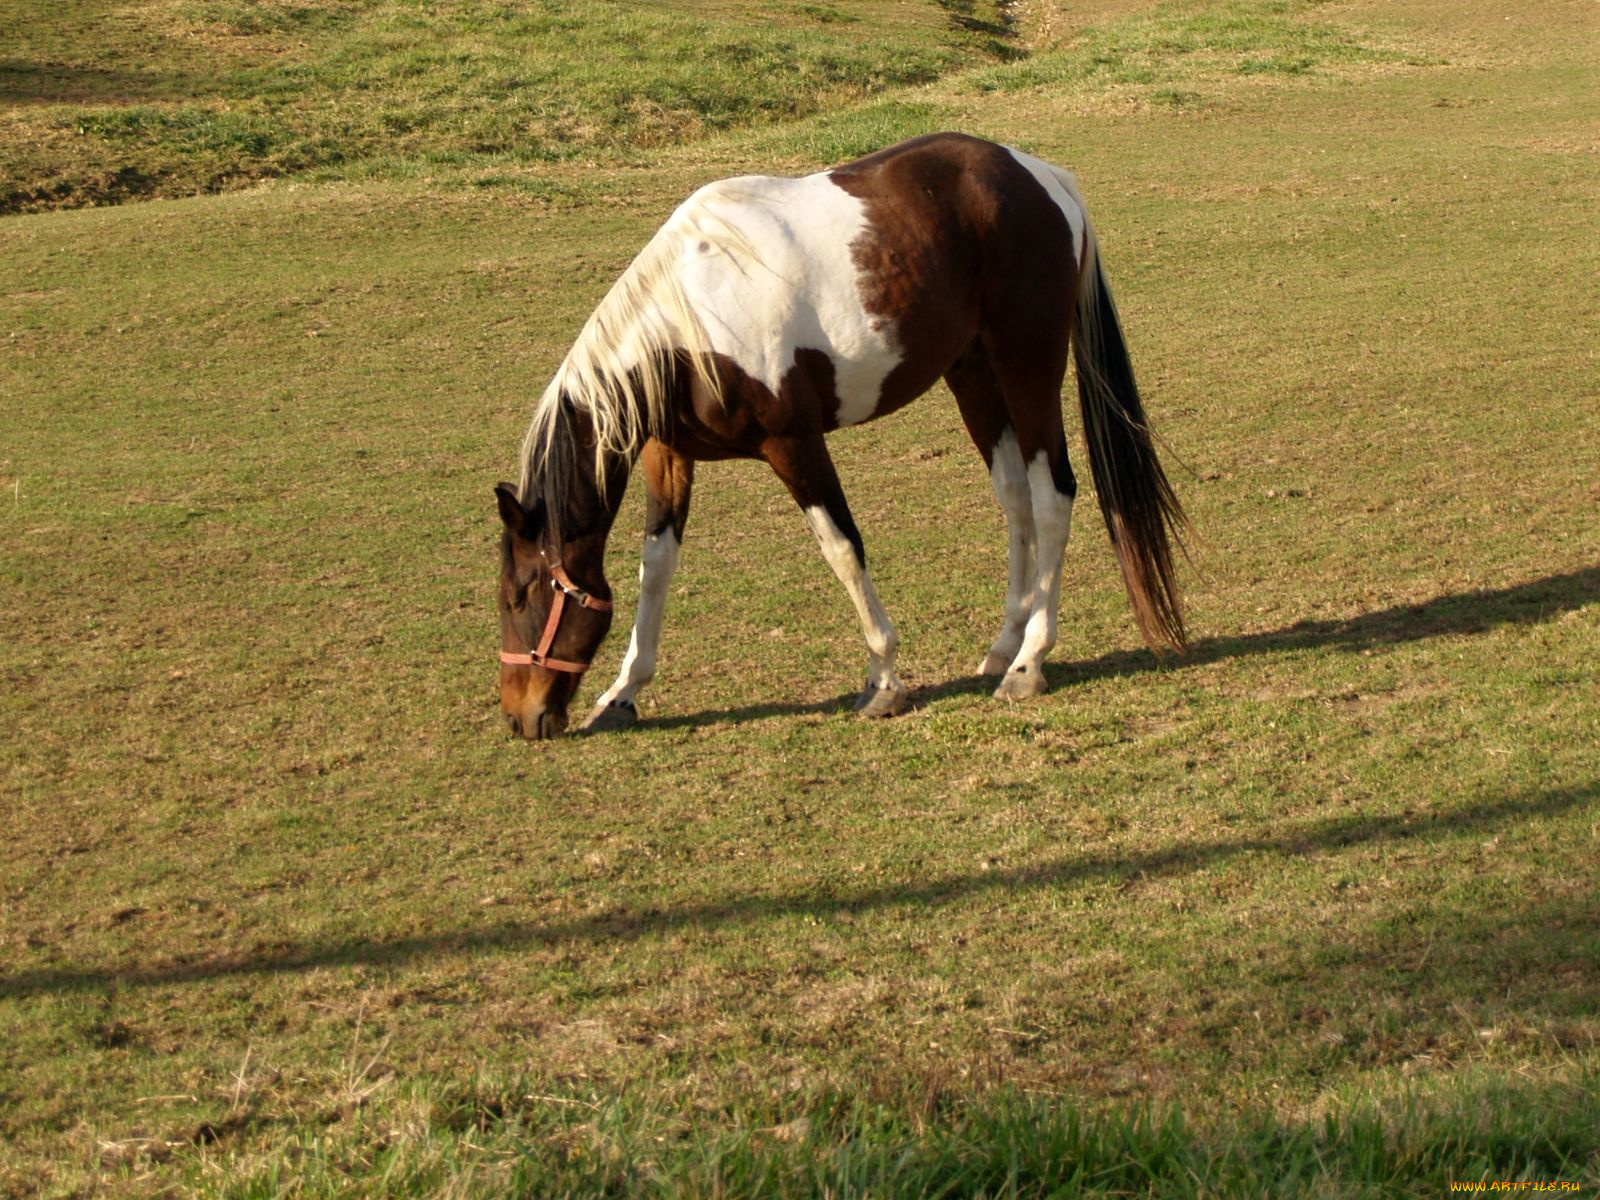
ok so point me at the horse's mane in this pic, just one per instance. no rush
(619, 372)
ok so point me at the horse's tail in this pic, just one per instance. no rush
(1141, 510)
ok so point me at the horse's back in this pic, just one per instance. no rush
(885, 269)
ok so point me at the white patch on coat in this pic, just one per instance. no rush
(657, 563)
(1063, 189)
(755, 268)
(797, 288)
(882, 641)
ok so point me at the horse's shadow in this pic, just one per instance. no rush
(1116, 867)
(1471, 612)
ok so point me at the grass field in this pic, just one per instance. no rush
(109, 100)
(282, 911)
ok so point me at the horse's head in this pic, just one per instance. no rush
(555, 609)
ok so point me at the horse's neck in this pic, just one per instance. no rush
(595, 489)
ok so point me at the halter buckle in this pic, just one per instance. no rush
(561, 583)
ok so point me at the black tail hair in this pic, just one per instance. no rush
(1141, 510)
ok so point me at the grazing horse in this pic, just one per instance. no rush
(768, 312)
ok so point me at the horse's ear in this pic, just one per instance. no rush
(511, 514)
(524, 522)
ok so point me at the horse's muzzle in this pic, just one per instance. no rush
(539, 725)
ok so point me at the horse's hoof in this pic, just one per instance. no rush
(995, 664)
(607, 718)
(883, 702)
(1022, 684)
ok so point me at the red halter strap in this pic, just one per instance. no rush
(564, 589)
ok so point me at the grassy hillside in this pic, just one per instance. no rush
(106, 100)
(281, 907)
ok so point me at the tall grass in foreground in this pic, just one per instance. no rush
(842, 1145)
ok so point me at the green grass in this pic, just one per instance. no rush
(280, 905)
(1165, 55)
(502, 1141)
(100, 104)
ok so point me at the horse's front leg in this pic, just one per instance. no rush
(807, 470)
(668, 478)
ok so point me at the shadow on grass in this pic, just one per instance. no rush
(1462, 613)
(1530, 603)
(625, 924)
(28, 83)
(751, 712)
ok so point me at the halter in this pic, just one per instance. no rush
(564, 589)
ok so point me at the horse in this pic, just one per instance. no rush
(766, 313)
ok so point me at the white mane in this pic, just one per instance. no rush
(619, 371)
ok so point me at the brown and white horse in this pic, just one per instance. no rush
(768, 312)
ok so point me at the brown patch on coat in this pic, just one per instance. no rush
(960, 219)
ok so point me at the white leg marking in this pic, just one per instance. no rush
(1052, 521)
(656, 565)
(882, 641)
(1010, 480)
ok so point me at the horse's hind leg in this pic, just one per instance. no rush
(1030, 366)
(983, 410)
(808, 472)
(1051, 498)
(668, 478)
